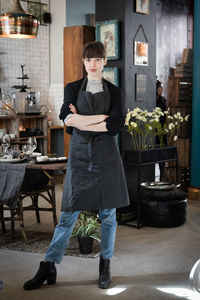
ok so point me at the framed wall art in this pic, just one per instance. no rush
(140, 87)
(142, 6)
(37, 9)
(140, 53)
(112, 75)
(107, 32)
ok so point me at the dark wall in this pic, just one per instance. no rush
(124, 11)
(114, 10)
(132, 22)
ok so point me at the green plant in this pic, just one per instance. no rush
(143, 126)
(87, 225)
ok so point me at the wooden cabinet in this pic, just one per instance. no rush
(24, 126)
(75, 38)
(179, 99)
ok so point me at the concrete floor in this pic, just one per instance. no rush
(150, 263)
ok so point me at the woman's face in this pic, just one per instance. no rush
(160, 90)
(94, 67)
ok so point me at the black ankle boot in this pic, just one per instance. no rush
(104, 273)
(47, 271)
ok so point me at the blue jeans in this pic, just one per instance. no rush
(65, 227)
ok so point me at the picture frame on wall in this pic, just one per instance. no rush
(140, 87)
(112, 75)
(142, 6)
(37, 9)
(141, 53)
(107, 32)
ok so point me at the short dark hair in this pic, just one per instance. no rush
(158, 84)
(94, 50)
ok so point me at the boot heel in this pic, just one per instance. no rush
(51, 279)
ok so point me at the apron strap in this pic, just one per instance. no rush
(90, 165)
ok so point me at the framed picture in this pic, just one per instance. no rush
(140, 53)
(140, 87)
(107, 32)
(37, 9)
(112, 75)
(142, 6)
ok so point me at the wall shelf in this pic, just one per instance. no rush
(15, 124)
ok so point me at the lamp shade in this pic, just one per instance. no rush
(18, 24)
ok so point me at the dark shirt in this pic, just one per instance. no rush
(116, 118)
(162, 103)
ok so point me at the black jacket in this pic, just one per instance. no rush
(162, 103)
(116, 118)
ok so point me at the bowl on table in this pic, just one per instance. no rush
(42, 158)
(36, 154)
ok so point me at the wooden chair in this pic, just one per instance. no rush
(17, 215)
(38, 183)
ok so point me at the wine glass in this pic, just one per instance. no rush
(25, 149)
(32, 144)
(5, 143)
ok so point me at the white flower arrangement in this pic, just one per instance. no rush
(144, 126)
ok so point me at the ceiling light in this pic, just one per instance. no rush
(18, 24)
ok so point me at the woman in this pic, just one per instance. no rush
(93, 113)
(162, 103)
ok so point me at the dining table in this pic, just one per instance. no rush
(12, 176)
(47, 166)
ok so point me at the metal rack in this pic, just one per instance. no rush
(143, 159)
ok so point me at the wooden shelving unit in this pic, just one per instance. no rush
(180, 100)
(16, 123)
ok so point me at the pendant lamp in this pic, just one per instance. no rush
(18, 24)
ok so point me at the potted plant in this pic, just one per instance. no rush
(87, 229)
(144, 126)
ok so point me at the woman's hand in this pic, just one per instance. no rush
(73, 108)
(81, 121)
(74, 120)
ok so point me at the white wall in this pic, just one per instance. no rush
(56, 86)
(33, 53)
(43, 56)
(58, 13)
(171, 36)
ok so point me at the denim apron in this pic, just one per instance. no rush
(95, 176)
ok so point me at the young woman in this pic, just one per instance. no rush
(95, 180)
(162, 103)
